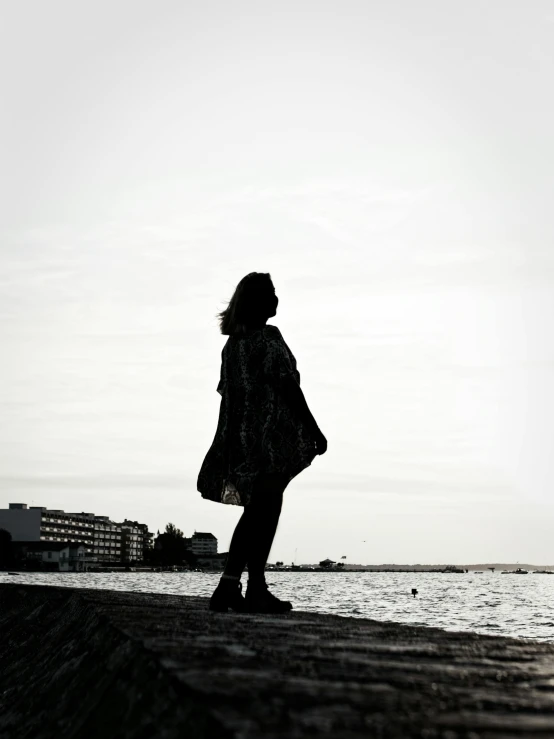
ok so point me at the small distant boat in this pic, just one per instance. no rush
(519, 571)
(451, 568)
(477, 572)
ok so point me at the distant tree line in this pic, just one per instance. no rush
(170, 549)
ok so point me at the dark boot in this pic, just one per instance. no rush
(228, 594)
(258, 599)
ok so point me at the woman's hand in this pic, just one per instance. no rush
(321, 442)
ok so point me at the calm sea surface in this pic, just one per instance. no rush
(520, 606)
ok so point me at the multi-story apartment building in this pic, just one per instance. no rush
(135, 539)
(104, 540)
(203, 544)
(39, 523)
(107, 540)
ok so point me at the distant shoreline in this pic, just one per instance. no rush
(285, 570)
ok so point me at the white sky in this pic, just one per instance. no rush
(390, 164)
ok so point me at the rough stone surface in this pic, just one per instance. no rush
(78, 663)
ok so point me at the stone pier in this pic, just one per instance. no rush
(100, 664)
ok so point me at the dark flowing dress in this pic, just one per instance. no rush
(257, 431)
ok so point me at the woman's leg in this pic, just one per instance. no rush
(254, 533)
(265, 511)
(238, 548)
(228, 591)
(251, 544)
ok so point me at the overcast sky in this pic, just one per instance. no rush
(390, 164)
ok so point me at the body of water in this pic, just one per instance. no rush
(520, 606)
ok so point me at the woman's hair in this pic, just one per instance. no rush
(249, 304)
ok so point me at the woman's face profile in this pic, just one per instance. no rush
(275, 300)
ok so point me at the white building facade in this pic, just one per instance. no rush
(57, 556)
(104, 540)
(203, 544)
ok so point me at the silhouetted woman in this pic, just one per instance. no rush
(266, 435)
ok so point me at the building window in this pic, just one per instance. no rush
(49, 555)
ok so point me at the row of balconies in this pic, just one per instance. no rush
(96, 534)
(99, 544)
(58, 535)
(82, 523)
(136, 533)
(52, 529)
(54, 538)
(67, 522)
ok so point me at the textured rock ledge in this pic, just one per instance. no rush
(98, 663)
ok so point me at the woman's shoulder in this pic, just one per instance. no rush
(272, 332)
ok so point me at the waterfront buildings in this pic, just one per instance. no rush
(135, 539)
(203, 544)
(212, 561)
(104, 540)
(60, 556)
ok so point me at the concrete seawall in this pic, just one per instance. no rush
(82, 664)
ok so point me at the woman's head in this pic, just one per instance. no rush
(253, 302)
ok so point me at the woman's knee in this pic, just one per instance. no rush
(272, 484)
(269, 494)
